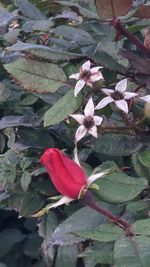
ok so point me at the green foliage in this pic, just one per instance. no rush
(42, 43)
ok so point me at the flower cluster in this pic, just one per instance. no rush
(119, 97)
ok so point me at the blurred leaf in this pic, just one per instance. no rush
(104, 59)
(13, 121)
(25, 163)
(2, 264)
(132, 252)
(28, 10)
(99, 253)
(32, 245)
(25, 180)
(66, 256)
(8, 238)
(138, 63)
(32, 202)
(117, 144)
(118, 187)
(44, 52)
(108, 9)
(37, 76)
(140, 169)
(62, 109)
(136, 206)
(81, 10)
(143, 12)
(37, 138)
(80, 36)
(47, 226)
(103, 233)
(38, 25)
(144, 158)
(141, 227)
(2, 142)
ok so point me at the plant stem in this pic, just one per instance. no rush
(118, 26)
(88, 200)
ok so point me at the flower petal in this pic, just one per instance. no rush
(81, 131)
(95, 69)
(86, 66)
(62, 201)
(96, 176)
(78, 117)
(89, 108)
(98, 120)
(128, 95)
(75, 76)
(146, 98)
(107, 91)
(122, 104)
(104, 102)
(96, 76)
(93, 131)
(79, 85)
(121, 86)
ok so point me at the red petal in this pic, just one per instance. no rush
(66, 175)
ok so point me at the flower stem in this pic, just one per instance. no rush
(88, 200)
(118, 26)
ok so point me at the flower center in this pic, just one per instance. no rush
(88, 122)
(85, 75)
(117, 95)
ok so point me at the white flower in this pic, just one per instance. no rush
(117, 96)
(145, 98)
(86, 76)
(88, 121)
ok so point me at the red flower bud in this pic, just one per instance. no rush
(68, 177)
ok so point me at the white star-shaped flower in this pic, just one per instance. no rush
(117, 96)
(87, 76)
(88, 121)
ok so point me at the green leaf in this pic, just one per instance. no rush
(99, 253)
(32, 245)
(117, 144)
(67, 256)
(8, 238)
(28, 10)
(106, 60)
(140, 169)
(32, 202)
(47, 226)
(83, 219)
(38, 138)
(133, 252)
(25, 180)
(44, 52)
(37, 76)
(61, 109)
(144, 158)
(141, 227)
(103, 233)
(137, 206)
(118, 187)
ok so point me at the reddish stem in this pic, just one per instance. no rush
(118, 26)
(88, 200)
